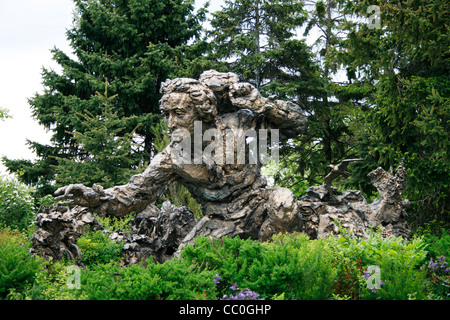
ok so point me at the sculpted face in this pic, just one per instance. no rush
(186, 101)
(179, 111)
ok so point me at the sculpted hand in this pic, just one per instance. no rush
(78, 194)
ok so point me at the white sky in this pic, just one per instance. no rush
(29, 29)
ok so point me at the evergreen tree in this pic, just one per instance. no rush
(406, 61)
(135, 44)
(104, 148)
(255, 39)
(329, 137)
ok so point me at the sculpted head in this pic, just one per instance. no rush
(185, 101)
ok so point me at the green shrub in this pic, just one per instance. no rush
(286, 267)
(115, 224)
(399, 261)
(399, 282)
(347, 283)
(438, 246)
(96, 247)
(17, 266)
(438, 280)
(293, 265)
(16, 204)
(46, 201)
(50, 284)
(173, 280)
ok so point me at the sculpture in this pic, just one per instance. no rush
(337, 171)
(320, 211)
(233, 194)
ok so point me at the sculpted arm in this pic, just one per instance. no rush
(283, 115)
(141, 190)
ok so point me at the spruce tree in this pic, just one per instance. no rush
(328, 138)
(256, 39)
(406, 62)
(104, 146)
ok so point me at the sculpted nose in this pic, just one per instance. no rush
(171, 122)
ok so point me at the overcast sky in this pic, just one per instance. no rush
(28, 30)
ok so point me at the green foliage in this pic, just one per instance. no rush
(39, 173)
(173, 280)
(439, 277)
(17, 267)
(400, 283)
(250, 37)
(97, 248)
(104, 148)
(291, 264)
(4, 114)
(438, 246)
(178, 195)
(398, 260)
(328, 138)
(115, 224)
(50, 283)
(162, 140)
(414, 126)
(46, 201)
(16, 204)
(405, 63)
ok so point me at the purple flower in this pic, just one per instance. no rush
(250, 294)
(234, 287)
(441, 258)
(245, 294)
(432, 265)
(217, 278)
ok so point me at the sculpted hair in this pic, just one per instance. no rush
(203, 98)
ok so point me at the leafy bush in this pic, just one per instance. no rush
(50, 283)
(173, 280)
(16, 204)
(97, 248)
(17, 266)
(398, 260)
(286, 267)
(438, 246)
(439, 277)
(45, 202)
(115, 224)
(348, 275)
(293, 265)
(400, 282)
